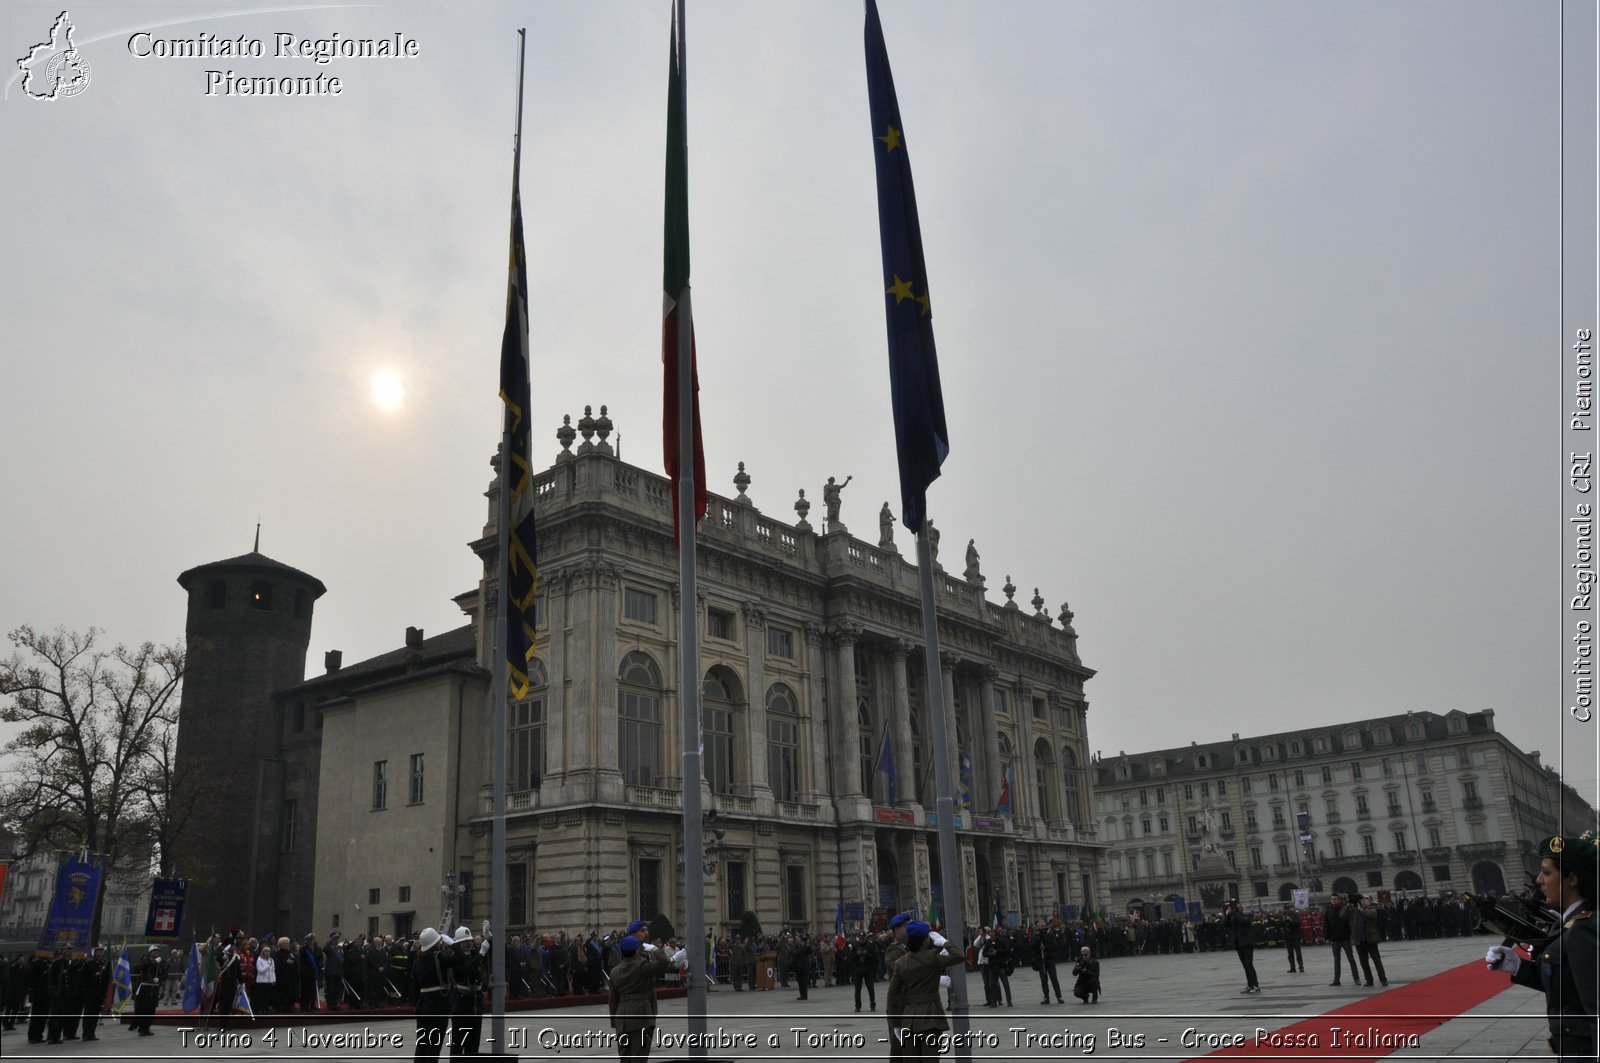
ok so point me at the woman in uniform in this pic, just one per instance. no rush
(927, 956)
(1564, 966)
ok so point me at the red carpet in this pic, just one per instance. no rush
(1374, 1026)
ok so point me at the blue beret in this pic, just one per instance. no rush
(636, 926)
(628, 945)
(918, 929)
(899, 921)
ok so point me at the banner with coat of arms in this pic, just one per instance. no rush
(71, 916)
(166, 907)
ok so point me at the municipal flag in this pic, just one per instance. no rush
(192, 989)
(674, 285)
(886, 765)
(121, 983)
(965, 796)
(241, 1002)
(1003, 806)
(921, 439)
(838, 919)
(516, 392)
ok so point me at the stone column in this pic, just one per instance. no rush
(1028, 799)
(556, 709)
(900, 710)
(604, 667)
(814, 707)
(584, 703)
(755, 630)
(947, 680)
(989, 756)
(846, 776)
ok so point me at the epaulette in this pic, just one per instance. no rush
(1580, 917)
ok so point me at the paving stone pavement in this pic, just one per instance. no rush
(1154, 1007)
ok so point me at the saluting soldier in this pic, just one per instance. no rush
(466, 1004)
(1564, 966)
(631, 999)
(928, 955)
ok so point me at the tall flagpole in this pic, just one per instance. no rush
(953, 908)
(689, 645)
(498, 884)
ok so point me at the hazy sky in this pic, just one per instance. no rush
(1247, 315)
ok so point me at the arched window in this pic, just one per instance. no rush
(639, 720)
(1044, 782)
(525, 733)
(783, 743)
(722, 698)
(1073, 812)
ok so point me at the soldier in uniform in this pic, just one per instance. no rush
(430, 972)
(466, 1004)
(895, 947)
(928, 955)
(632, 998)
(1289, 924)
(147, 991)
(1044, 952)
(93, 980)
(38, 999)
(1564, 966)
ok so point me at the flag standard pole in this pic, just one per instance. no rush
(694, 886)
(949, 857)
(498, 877)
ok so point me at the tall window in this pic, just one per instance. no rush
(1394, 803)
(921, 774)
(639, 720)
(1399, 841)
(415, 796)
(639, 605)
(1361, 805)
(1435, 841)
(794, 893)
(720, 692)
(286, 832)
(1044, 782)
(649, 888)
(1368, 845)
(719, 624)
(517, 893)
(1069, 771)
(380, 784)
(738, 903)
(866, 747)
(1283, 854)
(780, 643)
(1355, 770)
(525, 732)
(1338, 846)
(783, 750)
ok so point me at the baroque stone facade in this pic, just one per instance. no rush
(811, 666)
(1419, 803)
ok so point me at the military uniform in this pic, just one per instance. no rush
(922, 1016)
(430, 973)
(632, 1000)
(1565, 965)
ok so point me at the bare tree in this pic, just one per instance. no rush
(168, 800)
(93, 722)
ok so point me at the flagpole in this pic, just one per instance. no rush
(949, 857)
(498, 878)
(689, 646)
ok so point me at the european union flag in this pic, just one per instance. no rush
(921, 439)
(191, 980)
(886, 764)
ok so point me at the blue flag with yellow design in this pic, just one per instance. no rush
(122, 983)
(921, 439)
(520, 607)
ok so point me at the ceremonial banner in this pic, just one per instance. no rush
(72, 908)
(166, 907)
(3, 866)
(121, 983)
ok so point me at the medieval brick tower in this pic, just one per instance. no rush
(248, 627)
